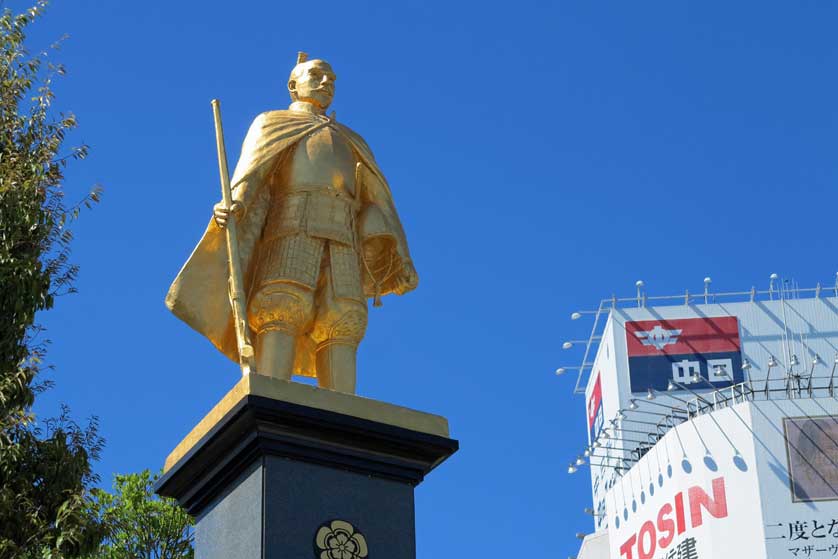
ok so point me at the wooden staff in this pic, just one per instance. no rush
(236, 284)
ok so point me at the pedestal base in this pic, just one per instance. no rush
(285, 470)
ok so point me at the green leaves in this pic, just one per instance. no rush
(45, 481)
(45, 469)
(139, 525)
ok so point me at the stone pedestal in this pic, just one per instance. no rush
(284, 470)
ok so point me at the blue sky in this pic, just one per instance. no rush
(542, 156)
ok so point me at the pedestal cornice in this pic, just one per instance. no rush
(266, 417)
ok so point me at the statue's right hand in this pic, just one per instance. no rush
(222, 214)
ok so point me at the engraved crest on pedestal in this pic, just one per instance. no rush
(338, 539)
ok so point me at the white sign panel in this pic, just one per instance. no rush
(798, 466)
(754, 480)
(692, 496)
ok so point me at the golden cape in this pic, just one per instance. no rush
(199, 293)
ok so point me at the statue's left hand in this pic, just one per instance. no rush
(408, 279)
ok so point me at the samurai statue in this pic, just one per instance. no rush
(318, 235)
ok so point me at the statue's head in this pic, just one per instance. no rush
(312, 81)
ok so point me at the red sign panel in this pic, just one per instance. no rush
(594, 402)
(595, 414)
(679, 336)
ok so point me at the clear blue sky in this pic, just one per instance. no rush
(542, 156)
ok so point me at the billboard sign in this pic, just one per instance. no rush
(799, 491)
(595, 415)
(690, 496)
(677, 349)
(812, 450)
(688, 510)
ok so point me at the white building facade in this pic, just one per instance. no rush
(713, 427)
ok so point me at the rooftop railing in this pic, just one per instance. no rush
(776, 291)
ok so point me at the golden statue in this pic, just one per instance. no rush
(317, 235)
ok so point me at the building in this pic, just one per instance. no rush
(712, 425)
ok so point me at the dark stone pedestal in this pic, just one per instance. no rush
(262, 475)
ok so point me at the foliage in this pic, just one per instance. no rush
(45, 472)
(141, 525)
(44, 477)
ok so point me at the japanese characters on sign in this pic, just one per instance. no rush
(684, 550)
(689, 351)
(806, 537)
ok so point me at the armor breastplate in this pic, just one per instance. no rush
(323, 159)
(313, 190)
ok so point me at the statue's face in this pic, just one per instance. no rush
(313, 82)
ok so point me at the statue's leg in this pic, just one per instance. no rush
(281, 308)
(341, 319)
(275, 354)
(279, 313)
(336, 367)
